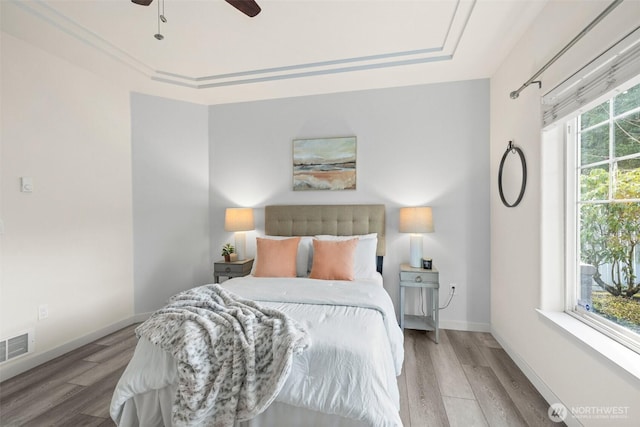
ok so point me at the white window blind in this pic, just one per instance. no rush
(613, 68)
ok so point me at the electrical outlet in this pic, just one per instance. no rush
(43, 311)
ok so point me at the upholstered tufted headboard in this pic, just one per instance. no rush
(339, 220)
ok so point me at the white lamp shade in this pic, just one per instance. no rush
(239, 219)
(416, 220)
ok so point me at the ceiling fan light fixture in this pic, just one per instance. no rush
(248, 7)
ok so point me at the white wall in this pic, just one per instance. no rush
(67, 244)
(422, 145)
(170, 156)
(576, 376)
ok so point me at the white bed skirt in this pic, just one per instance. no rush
(154, 409)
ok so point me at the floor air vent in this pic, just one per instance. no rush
(18, 345)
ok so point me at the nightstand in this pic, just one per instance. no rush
(411, 277)
(232, 269)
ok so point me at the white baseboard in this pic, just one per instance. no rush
(537, 382)
(29, 362)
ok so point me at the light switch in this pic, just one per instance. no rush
(26, 184)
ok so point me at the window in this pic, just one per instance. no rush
(603, 216)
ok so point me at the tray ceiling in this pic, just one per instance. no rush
(210, 50)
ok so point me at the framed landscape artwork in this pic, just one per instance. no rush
(324, 164)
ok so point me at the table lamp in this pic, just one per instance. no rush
(239, 220)
(416, 220)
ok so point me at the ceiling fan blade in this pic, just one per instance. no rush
(248, 7)
(142, 2)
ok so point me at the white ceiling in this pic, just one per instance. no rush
(212, 53)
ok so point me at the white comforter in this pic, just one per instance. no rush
(350, 369)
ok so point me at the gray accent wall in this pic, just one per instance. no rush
(170, 198)
(418, 145)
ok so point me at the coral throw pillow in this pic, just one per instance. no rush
(364, 261)
(333, 260)
(276, 258)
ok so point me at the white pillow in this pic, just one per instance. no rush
(303, 256)
(364, 265)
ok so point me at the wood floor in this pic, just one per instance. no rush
(466, 380)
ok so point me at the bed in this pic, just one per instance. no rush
(346, 373)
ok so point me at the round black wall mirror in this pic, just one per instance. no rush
(515, 172)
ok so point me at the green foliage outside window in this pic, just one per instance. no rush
(609, 192)
(623, 311)
(610, 232)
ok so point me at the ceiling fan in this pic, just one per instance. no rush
(248, 7)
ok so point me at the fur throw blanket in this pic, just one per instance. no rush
(233, 356)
